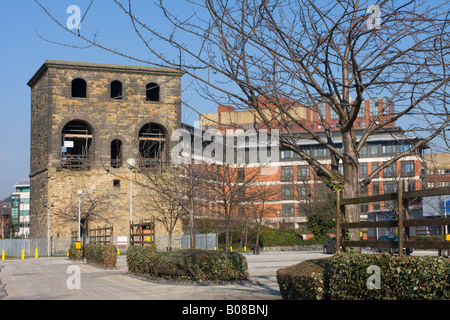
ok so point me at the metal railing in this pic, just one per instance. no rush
(60, 246)
(202, 241)
(76, 162)
(15, 247)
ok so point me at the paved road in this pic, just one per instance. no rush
(55, 279)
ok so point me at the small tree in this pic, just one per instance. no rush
(93, 207)
(320, 209)
(227, 186)
(177, 187)
(259, 209)
(164, 200)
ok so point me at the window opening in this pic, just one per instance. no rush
(76, 146)
(116, 90)
(151, 145)
(79, 88)
(152, 91)
(116, 153)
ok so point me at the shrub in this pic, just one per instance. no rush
(197, 265)
(139, 259)
(403, 278)
(428, 238)
(102, 255)
(304, 281)
(274, 237)
(345, 276)
(75, 254)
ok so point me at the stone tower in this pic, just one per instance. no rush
(87, 119)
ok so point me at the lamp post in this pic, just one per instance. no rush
(131, 163)
(48, 227)
(3, 234)
(80, 193)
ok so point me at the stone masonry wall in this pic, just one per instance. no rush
(53, 107)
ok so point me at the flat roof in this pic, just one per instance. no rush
(92, 66)
(22, 184)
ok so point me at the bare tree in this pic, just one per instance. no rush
(301, 54)
(173, 194)
(261, 208)
(93, 207)
(160, 200)
(227, 185)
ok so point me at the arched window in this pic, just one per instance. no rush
(152, 91)
(116, 153)
(116, 90)
(78, 88)
(151, 145)
(76, 145)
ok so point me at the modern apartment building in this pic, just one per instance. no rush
(20, 209)
(437, 169)
(298, 183)
(228, 117)
(437, 176)
(5, 213)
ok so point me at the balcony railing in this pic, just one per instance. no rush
(151, 163)
(76, 162)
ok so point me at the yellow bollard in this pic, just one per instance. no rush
(118, 252)
(231, 249)
(215, 248)
(23, 254)
(67, 252)
(245, 248)
(3, 254)
(36, 253)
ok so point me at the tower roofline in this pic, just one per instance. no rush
(101, 67)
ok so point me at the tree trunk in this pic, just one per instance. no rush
(256, 250)
(192, 228)
(351, 183)
(169, 241)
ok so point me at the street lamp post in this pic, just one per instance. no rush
(79, 192)
(131, 163)
(48, 227)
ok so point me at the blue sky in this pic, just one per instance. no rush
(22, 52)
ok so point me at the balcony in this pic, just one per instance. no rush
(76, 162)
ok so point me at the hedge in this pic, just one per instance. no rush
(345, 277)
(190, 264)
(101, 255)
(303, 281)
(275, 237)
(402, 278)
